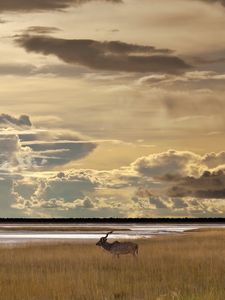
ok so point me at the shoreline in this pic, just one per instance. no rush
(7, 228)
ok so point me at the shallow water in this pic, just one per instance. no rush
(135, 231)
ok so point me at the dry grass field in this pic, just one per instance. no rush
(187, 267)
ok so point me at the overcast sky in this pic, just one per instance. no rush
(112, 108)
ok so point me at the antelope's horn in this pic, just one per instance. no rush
(108, 234)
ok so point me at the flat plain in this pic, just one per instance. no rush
(188, 266)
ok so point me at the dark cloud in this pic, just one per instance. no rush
(182, 174)
(26, 147)
(115, 30)
(42, 29)
(159, 204)
(179, 203)
(59, 152)
(42, 5)
(214, 1)
(211, 185)
(23, 120)
(87, 203)
(208, 61)
(113, 56)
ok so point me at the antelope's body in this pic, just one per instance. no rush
(118, 248)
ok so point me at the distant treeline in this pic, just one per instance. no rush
(112, 220)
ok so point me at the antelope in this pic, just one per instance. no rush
(116, 248)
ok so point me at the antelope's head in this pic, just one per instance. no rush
(103, 239)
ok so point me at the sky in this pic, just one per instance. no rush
(112, 108)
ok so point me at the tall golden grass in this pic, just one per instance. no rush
(186, 267)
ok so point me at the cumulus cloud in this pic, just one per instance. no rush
(62, 192)
(74, 191)
(210, 185)
(7, 198)
(172, 183)
(182, 174)
(14, 157)
(112, 55)
(8, 120)
(41, 5)
(171, 162)
(213, 160)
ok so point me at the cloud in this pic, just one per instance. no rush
(214, 1)
(8, 149)
(7, 199)
(72, 191)
(64, 191)
(27, 70)
(179, 203)
(113, 56)
(24, 147)
(2, 21)
(213, 160)
(87, 203)
(22, 121)
(182, 174)
(41, 5)
(210, 185)
(62, 70)
(61, 205)
(59, 152)
(17, 69)
(41, 29)
(159, 204)
(188, 80)
(172, 183)
(69, 187)
(171, 162)
(206, 106)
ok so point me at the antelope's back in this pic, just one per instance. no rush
(123, 248)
